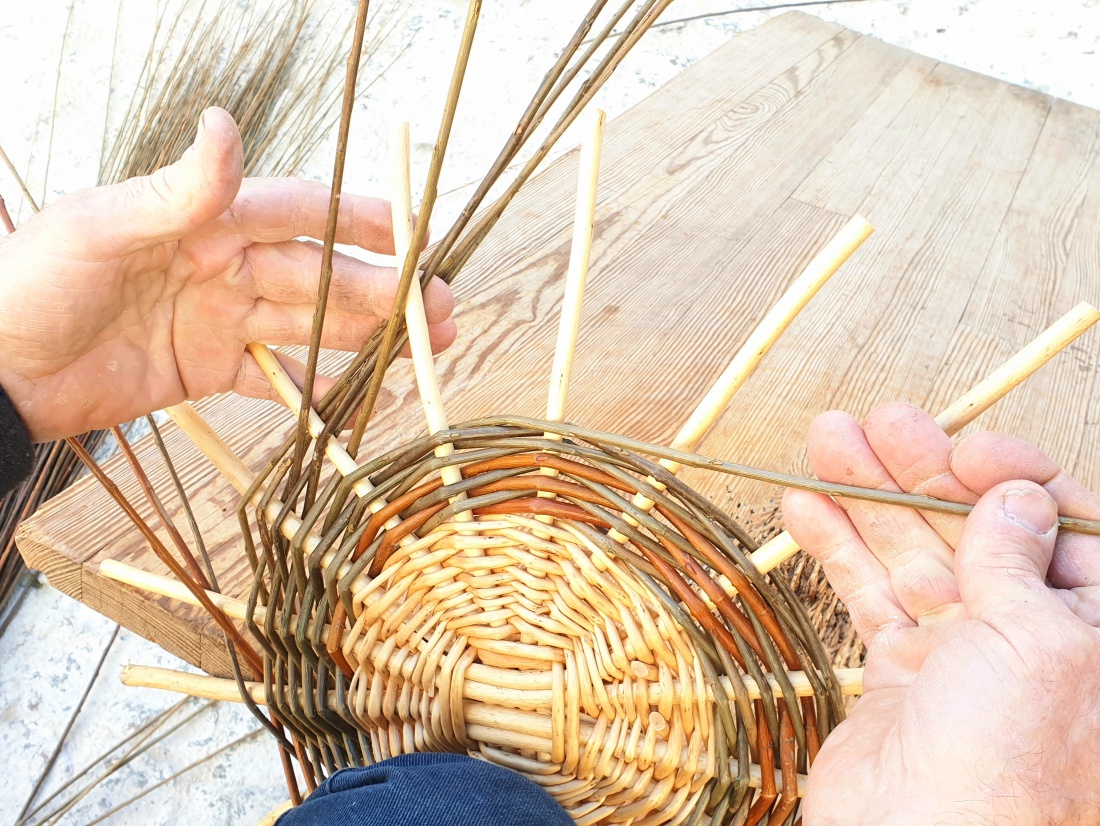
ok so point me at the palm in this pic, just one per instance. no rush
(975, 669)
(122, 300)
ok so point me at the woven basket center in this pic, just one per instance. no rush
(525, 642)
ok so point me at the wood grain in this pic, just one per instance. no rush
(714, 193)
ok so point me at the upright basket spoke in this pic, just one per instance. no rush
(823, 266)
(580, 256)
(415, 319)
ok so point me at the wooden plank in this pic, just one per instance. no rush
(715, 191)
(869, 335)
(1044, 259)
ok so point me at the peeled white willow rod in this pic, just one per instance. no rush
(972, 404)
(286, 388)
(240, 477)
(576, 277)
(823, 266)
(483, 681)
(415, 319)
(231, 467)
(580, 256)
(510, 726)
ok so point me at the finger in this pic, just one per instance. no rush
(283, 325)
(916, 453)
(825, 532)
(269, 210)
(290, 273)
(1004, 554)
(919, 562)
(984, 460)
(117, 220)
(898, 654)
(1084, 602)
(251, 381)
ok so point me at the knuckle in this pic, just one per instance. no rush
(159, 185)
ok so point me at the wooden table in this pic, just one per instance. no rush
(715, 191)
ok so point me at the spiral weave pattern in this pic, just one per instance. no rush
(498, 617)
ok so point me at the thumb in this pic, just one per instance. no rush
(126, 217)
(1005, 550)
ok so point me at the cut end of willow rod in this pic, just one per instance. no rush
(809, 282)
(1056, 338)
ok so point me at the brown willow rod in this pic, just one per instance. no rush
(427, 204)
(141, 734)
(330, 232)
(744, 10)
(552, 86)
(190, 767)
(52, 761)
(527, 122)
(185, 502)
(211, 577)
(594, 44)
(18, 179)
(361, 368)
(40, 478)
(154, 500)
(638, 26)
(148, 738)
(162, 553)
(698, 460)
(5, 217)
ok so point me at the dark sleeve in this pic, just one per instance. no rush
(16, 451)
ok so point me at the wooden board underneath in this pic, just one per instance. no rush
(716, 190)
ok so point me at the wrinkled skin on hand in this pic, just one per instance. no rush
(124, 299)
(981, 699)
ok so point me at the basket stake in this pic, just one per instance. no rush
(580, 256)
(823, 266)
(415, 319)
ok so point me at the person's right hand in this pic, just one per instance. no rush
(981, 699)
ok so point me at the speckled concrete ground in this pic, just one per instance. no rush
(56, 78)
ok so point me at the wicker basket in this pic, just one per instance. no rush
(617, 676)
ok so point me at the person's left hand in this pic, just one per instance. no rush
(125, 299)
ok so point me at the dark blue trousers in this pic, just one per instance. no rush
(428, 790)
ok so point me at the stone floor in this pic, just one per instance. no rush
(69, 63)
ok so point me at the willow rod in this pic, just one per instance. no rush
(525, 728)
(330, 229)
(427, 205)
(850, 680)
(697, 460)
(973, 403)
(809, 282)
(227, 462)
(416, 320)
(5, 217)
(576, 279)
(162, 553)
(19, 180)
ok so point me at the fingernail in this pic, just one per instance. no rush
(202, 125)
(1031, 510)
